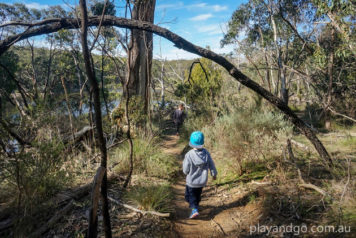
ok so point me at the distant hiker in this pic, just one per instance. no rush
(178, 117)
(195, 165)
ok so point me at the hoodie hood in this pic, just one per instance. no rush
(199, 157)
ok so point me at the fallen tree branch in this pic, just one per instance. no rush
(339, 114)
(219, 226)
(53, 220)
(261, 183)
(59, 200)
(312, 186)
(299, 144)
(138, 210)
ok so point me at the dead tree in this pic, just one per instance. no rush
(98, 120)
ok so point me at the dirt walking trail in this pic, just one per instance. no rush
(223, 212)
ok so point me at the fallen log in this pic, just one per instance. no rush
(304, 147)
(53, 220)
(138, 210)
(57, 201)
(312, 186)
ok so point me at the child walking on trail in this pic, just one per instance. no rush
(196, 164)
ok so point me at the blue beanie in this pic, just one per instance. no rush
(196, 140)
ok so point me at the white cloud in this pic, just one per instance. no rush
(219, 8)
(201, 17)
(207, 7)
(36, 5)
(175, 53)
(197, 6)
(212, 29)
(173, 5)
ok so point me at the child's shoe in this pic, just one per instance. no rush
(194, 213)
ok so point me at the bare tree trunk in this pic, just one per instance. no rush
(34, 76)
(98, 119)
(68, 106)
(141, 56)
(81, 82)
(162, 85)
(330, 84)
(127, 115)
(49, 65)
(281, 76)
(266, 59)
(102, 80)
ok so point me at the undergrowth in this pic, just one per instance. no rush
(151, 198)
(148, 158)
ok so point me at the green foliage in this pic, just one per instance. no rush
(152, 198)
(203, 85)
(247, 136)
(9, 61)
(148, 158)
(97, 10)
(137, 113)
(37, 173)
(98, 7)
(350, 142)
(244, 135)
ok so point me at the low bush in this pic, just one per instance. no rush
(242, 138)
(148, 158)
(152, 198)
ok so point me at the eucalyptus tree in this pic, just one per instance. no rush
(140, 52)
(306, 41)
(263, 31)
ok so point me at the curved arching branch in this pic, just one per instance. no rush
(191, 69)
(181, 43)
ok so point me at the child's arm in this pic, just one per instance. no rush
(212, 168)
(186, 164)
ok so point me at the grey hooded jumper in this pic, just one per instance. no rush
(195, 165)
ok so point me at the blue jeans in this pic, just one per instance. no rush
(193, 196)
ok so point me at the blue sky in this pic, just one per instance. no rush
(202, 22)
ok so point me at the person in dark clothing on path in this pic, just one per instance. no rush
(178, 117)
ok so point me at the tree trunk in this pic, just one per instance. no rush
(281, 75)
(102, 80)
(69, 109)
(330, 84)
(98, 120)
(141, 52)
(162, 86)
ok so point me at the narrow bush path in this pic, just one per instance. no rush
(224, 212)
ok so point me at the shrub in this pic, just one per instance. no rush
(147, 158)
(152, 198)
